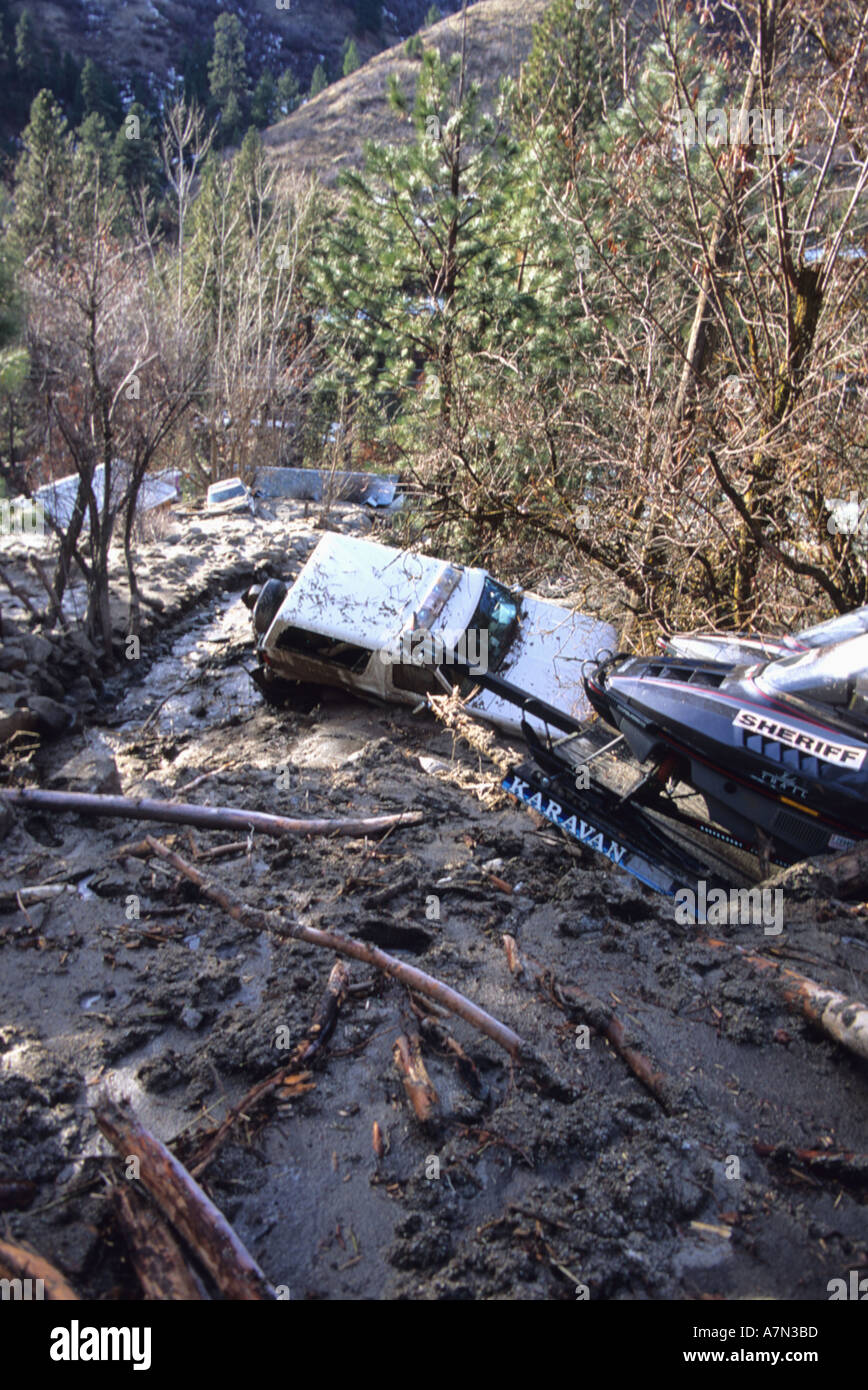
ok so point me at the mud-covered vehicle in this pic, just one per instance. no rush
(397, 626)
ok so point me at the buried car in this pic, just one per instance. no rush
(397, 625)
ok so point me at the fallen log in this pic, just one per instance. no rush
(410, 975)
(156, 1256)
(206, 817)
(17, 1263)
(194, 1216)
(839, 1016)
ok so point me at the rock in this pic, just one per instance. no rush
(53, 718)
(12, 657)
(47, 684)
(191, 1018)
(38, 649)
(82, 692)
(92, 770)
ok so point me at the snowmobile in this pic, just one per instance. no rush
(740, 765)
(741, 649)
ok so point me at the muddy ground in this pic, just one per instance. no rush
(511, 1192)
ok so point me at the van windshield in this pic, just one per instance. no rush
(497, 614)
(836, 676)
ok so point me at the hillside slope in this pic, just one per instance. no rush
(327, 133)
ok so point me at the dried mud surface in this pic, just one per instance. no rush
(510, 1193)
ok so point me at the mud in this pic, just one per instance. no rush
(511, 1193)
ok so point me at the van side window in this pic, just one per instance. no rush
(314, 644)
(419, 680)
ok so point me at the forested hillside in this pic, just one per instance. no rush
(611, 313)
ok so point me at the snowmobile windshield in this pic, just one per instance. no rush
(836, 629)
(834, 676)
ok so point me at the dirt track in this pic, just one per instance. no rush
(180, 1009)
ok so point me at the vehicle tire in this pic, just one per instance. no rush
(271, 596)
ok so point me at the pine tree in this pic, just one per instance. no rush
(562, 87)
(135, 156)
(433, 16)
(27, 57)
(68, 85)
(99, 95)
(412, 275)
(263, 102)
(318, 81)
(42, 177)
(352, 61)
(231, 120)
(288, 93)
(194, 74)
(227, 71)
(13, 358)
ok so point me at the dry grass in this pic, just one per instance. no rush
(327, 134)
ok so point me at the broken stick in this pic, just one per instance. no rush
(322, 1026)
(17, 1263)
(598, 1015)
(195, 1217)
(155, 1254)
(207, 817)
(418, 1086)
(410, 975)
(839, 1016)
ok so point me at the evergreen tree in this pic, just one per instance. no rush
(27, 58)
(194, 74)
(264, 100)
(99, 95)
(562, 87)
(227, 71)
(352, 61)
(92, 158)
(433, 16)
(67, 88)
(135, 155)
(318, 81)
(13, 358)
(42, 177)
(231, 120)
(288, 93)
(415, 272)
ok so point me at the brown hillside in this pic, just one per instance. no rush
(328, 132)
